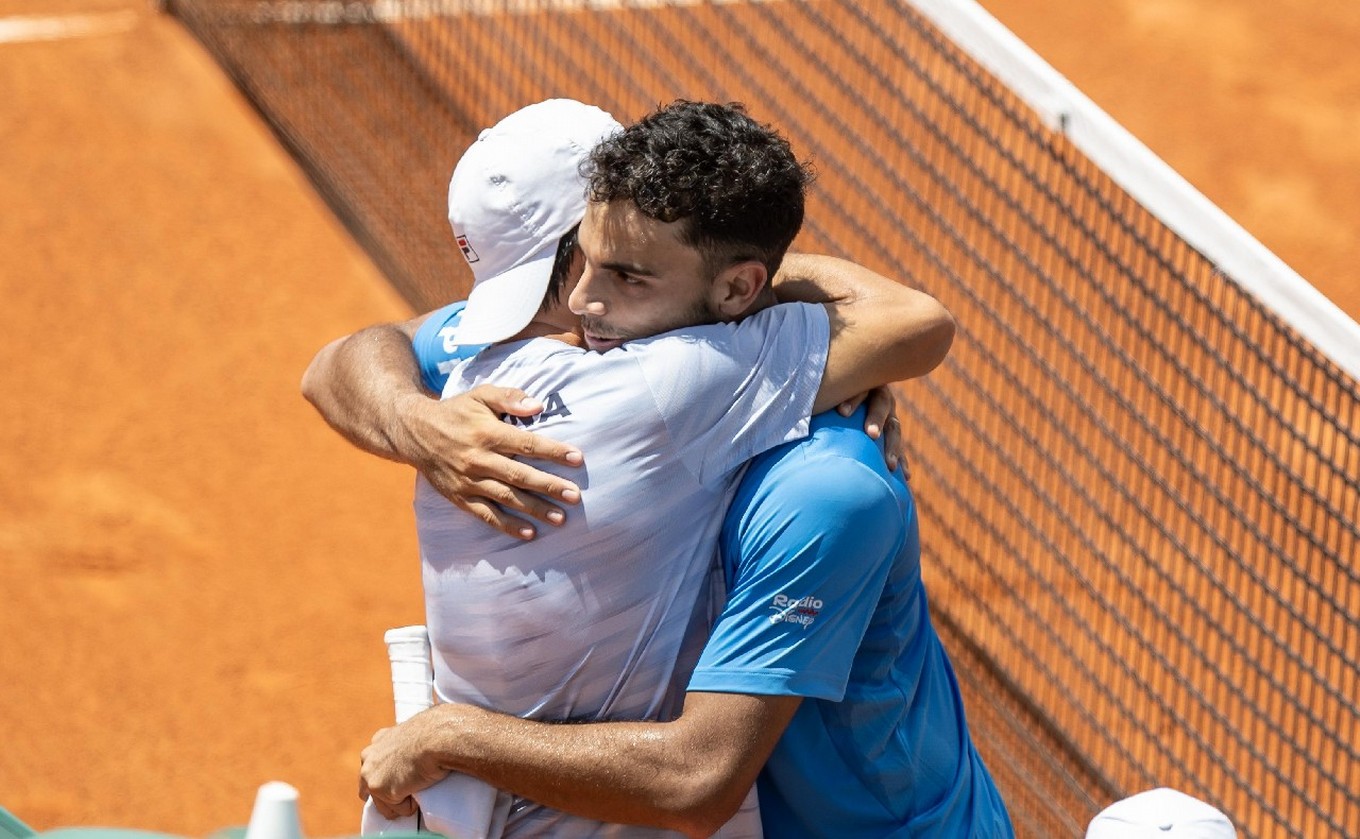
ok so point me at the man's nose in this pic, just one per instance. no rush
(583, 299)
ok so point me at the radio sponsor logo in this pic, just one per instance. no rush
(800, 610)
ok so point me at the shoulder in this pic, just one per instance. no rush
(541, 366)
(544, 354)
(835, 476)
(779, 340)
(777, 319)
(821, 494)
(839, 481)
(836, 460)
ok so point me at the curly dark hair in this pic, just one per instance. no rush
(734, 181)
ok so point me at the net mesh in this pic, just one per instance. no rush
(1139, 488)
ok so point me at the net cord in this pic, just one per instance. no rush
(1148, 178)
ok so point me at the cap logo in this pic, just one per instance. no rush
(468, 253)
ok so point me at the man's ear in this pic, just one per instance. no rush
(737, 287)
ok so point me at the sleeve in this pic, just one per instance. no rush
(727, 392)
(434, 348)
(807, 558)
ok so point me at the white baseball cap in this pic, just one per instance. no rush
(516, 191)
(1160, 813)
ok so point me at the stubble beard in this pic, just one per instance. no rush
(699, 313)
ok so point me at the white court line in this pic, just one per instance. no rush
(20, 29)
(343, 12)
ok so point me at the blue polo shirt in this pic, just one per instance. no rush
(822, 560)
(822, 557)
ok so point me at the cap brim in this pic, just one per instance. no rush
(1160, 812)
(501, 306)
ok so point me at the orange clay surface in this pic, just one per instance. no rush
(195, 571)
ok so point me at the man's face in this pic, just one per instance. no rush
(639, 278)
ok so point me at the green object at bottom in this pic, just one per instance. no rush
(11, 827)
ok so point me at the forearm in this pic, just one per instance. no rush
(364, 385)
(882, 331)
(631, 773)
(689, 775)
(926, 328)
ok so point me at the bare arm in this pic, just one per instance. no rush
(359, 381)
(881, 331)
(689, 775)
(368, 387)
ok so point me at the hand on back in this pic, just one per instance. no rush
(468, 453)
(881, 420)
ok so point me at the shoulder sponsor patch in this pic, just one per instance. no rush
(800, 610)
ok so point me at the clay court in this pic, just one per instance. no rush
(197, 571)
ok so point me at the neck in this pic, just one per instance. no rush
(547, 328)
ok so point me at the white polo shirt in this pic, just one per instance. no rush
(604, 617)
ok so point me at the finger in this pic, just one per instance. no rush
(518, 475)
(511, 500)
(494, 517)
(881, 407)
(405, 807)
(892, 442)
(506, 400)
(517, 442)
(851, 405)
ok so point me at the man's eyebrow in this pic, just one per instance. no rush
(628, 268)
